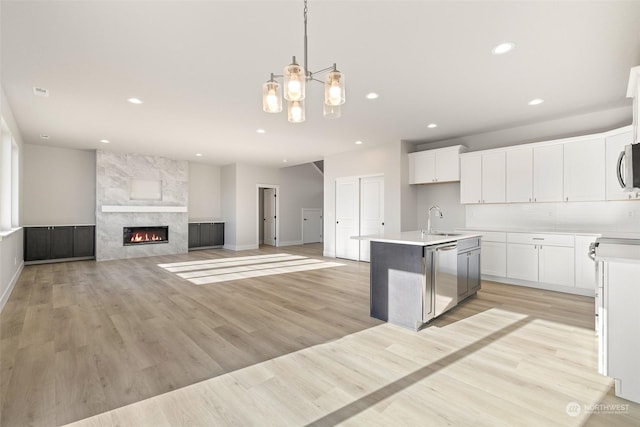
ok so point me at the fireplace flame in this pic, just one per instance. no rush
(144, 237)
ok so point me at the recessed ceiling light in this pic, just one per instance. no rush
(358, 142)
(372, 95)
(261, 131)
(199, 154)
(536, 101)
(134, 101)
(284, 160)
(432, 125)
(503, 48)
(42, 136)
(105, 141)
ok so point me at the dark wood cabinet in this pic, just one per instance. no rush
(37, 243)
(59, 243)
(194, 235)
(84, 241)
(206, 235)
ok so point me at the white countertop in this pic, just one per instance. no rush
(417, 238)
(579, 231)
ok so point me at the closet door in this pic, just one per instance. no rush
(371, 211)
(270, 216)
(347, 218)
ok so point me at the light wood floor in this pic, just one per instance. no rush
(126, 343)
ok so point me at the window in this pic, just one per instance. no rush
(9, 177)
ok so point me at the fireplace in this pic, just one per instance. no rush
(145, 235)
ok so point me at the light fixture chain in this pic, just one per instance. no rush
(306, 65)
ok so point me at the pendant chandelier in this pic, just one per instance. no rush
(295, 78)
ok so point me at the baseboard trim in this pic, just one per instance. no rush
(328, 254)
(292, 243)
(539, 285)
(12, 284)
(241, 247)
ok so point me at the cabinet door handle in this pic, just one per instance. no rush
(567, 199)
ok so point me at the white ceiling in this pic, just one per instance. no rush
(199, 67)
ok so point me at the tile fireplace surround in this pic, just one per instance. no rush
(120, 203)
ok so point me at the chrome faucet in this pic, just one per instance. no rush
(437, 208)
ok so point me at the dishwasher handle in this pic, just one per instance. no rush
(447, 248)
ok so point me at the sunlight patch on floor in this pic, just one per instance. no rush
(236, 268)
(387, 374)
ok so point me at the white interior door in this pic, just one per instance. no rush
(371, 211)
(269, 216)
(311, 225)
(347, 218)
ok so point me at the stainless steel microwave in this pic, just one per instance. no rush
(629, 168)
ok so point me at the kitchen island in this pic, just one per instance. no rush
(416, 277)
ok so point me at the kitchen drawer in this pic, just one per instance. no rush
(494, 236)
(541, 239)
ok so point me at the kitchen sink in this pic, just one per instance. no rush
(446, 234)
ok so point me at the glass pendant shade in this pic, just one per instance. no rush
(271, 99)
(334, 88)
(294, 82)
(295, 111)
(332, 111)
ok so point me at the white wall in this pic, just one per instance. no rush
(59, 186)
(447, 197)
(248, 178)
(11, 250)
(301, 186)
(384, 159)
(408, 193)
(228, 202)
(204, 192)
(583, 124)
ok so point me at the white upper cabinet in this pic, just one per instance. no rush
(519, 175)
(614, 144)
(482, 177)
(431, 166)
(448, 164)
(471, 178)
(584, 170)
(422, 167)
(569, 170)
(548, 173)
(493, 177)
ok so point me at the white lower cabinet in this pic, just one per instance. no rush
(556, 265)
(522, 262)
(494, 259)
(544, 258)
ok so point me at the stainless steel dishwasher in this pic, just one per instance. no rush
(445, 277)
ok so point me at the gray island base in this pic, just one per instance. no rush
(416, 277)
